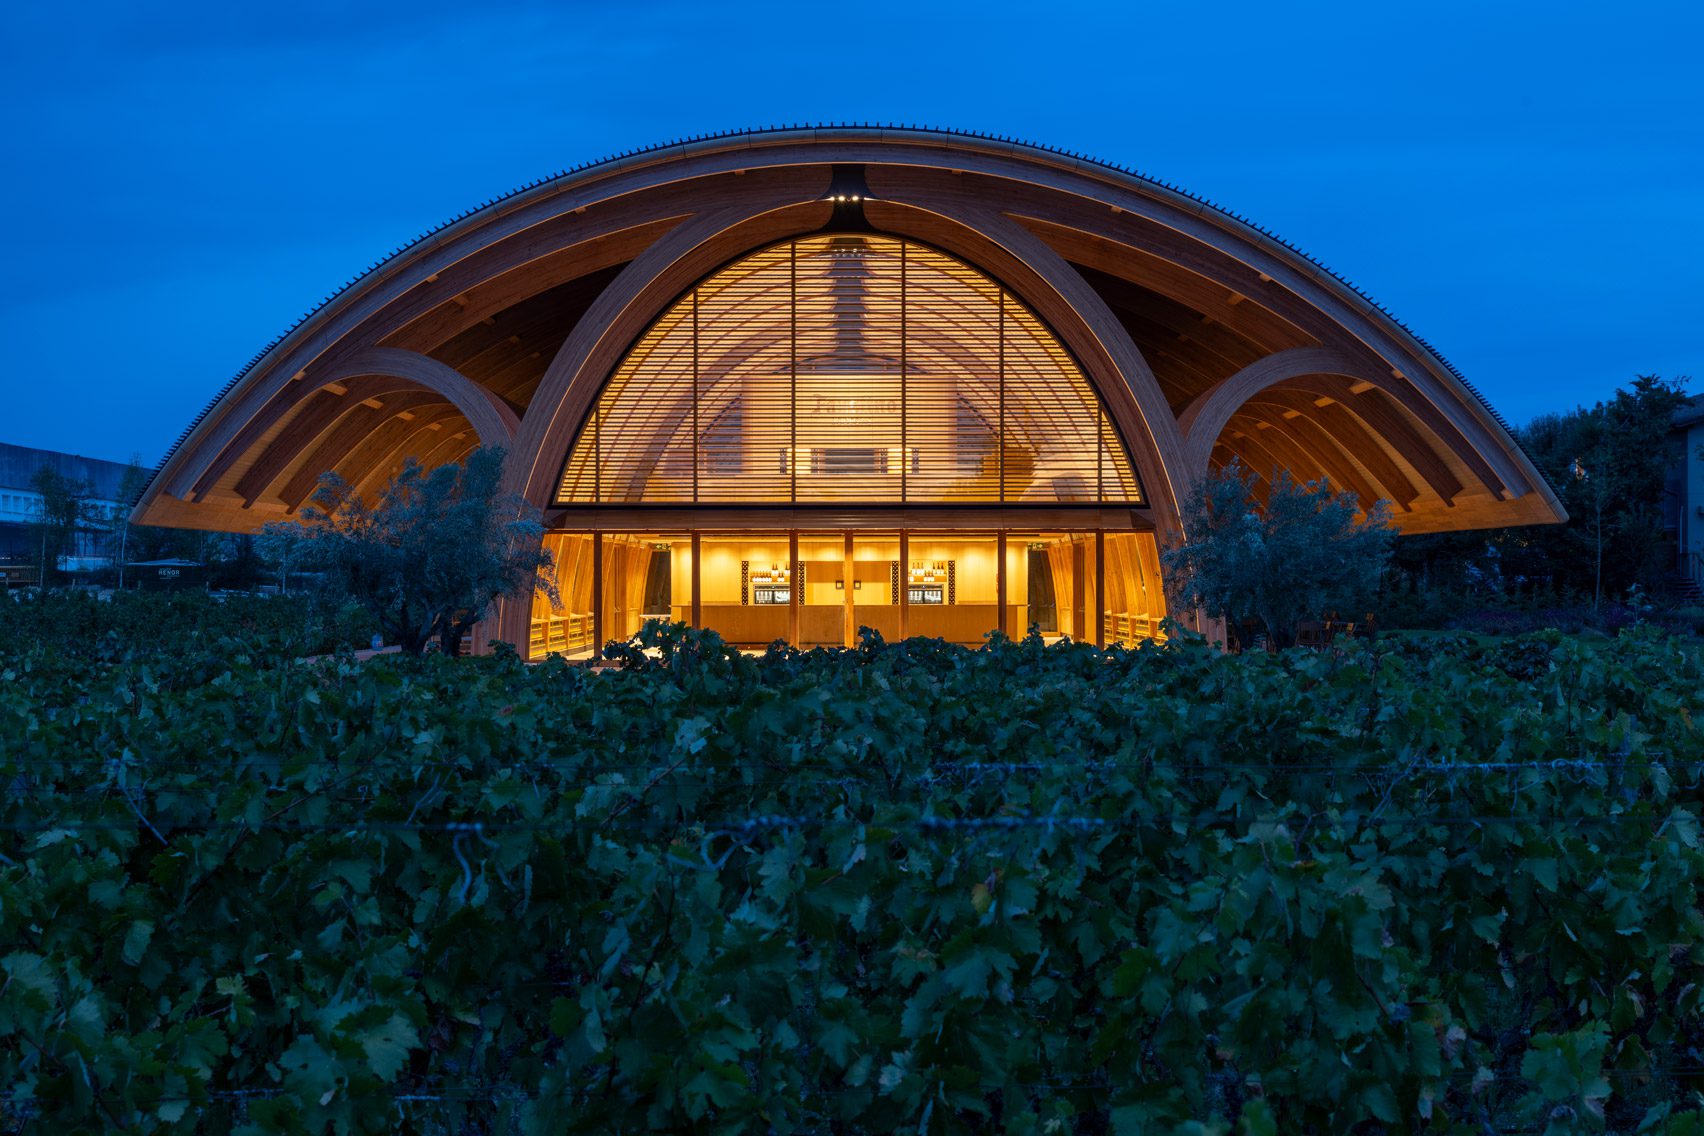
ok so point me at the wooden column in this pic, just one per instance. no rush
(1000, 582)
(850, 629)
(904, 583)
(697, 614)
(794, 588)
(1100, 588)
(1079, 591)
(597, 596)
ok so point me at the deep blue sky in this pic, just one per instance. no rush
(1522, 183)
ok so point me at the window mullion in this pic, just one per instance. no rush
(793, 373)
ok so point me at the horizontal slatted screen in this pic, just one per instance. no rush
(848, 368)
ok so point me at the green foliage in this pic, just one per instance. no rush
(430, 555)
(1607, 464)
(913, 887)
(186, 625)
(1300, 553)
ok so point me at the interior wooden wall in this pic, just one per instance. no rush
(1135, 601)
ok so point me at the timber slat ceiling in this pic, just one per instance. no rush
(509, 351)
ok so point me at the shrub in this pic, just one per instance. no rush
(1300, 551)
(134, 625)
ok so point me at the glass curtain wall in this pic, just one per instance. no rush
(746, 587)
(564, 627)
(876, 580)
(822, 612)
(1135, 601)
(847, 368)
(946, 585)
(643, 576)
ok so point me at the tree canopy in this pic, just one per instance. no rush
(428, 557)
(1302, 554)
(1607, 464)
(65, 508)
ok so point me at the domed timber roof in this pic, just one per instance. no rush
(1204, 338)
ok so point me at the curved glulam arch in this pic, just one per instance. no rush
(1160, 298)
(847, 368)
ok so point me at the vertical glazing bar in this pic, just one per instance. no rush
(1000, 427)
(1079, 591)
(1100, 588)
(793, 598)
(904, 583)
(697, 617)
(904, 438)
(597, 596)
(1000, 583)
(849, 572)
(695, 440)
(1100, 450)
(597, 453)
(793, 378)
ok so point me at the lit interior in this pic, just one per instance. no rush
(848, 368)
(753, 592)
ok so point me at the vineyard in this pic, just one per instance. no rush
(1418, 885)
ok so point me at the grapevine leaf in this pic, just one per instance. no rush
(387, 1046)
(136, 941)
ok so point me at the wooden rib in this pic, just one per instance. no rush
(1215, 338)
(451, 447)
(317, 415)
(427, 320)
(370, 374)
(1291, 435)
(1155, 225)
(378, 451)
(1347, 430)
(1257, 454)
(1307, 437)
(1255, 320)
(1234, 448)
(336, 445)
(453, 442)
(1386, 419)
(1430, 420)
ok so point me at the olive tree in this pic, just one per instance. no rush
(1303, 552)
(430, 555)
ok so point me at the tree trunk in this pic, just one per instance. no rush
(450, 636)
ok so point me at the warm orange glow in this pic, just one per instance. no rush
(848, 368)
(945, 584)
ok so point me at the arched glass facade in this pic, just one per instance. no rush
(848, 431)
(848, 368)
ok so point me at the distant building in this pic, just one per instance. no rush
(1685, 501)
(20, 507)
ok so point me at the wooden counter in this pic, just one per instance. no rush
(755, 625)
(747, 625)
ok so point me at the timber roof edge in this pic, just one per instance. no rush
(826, 131)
